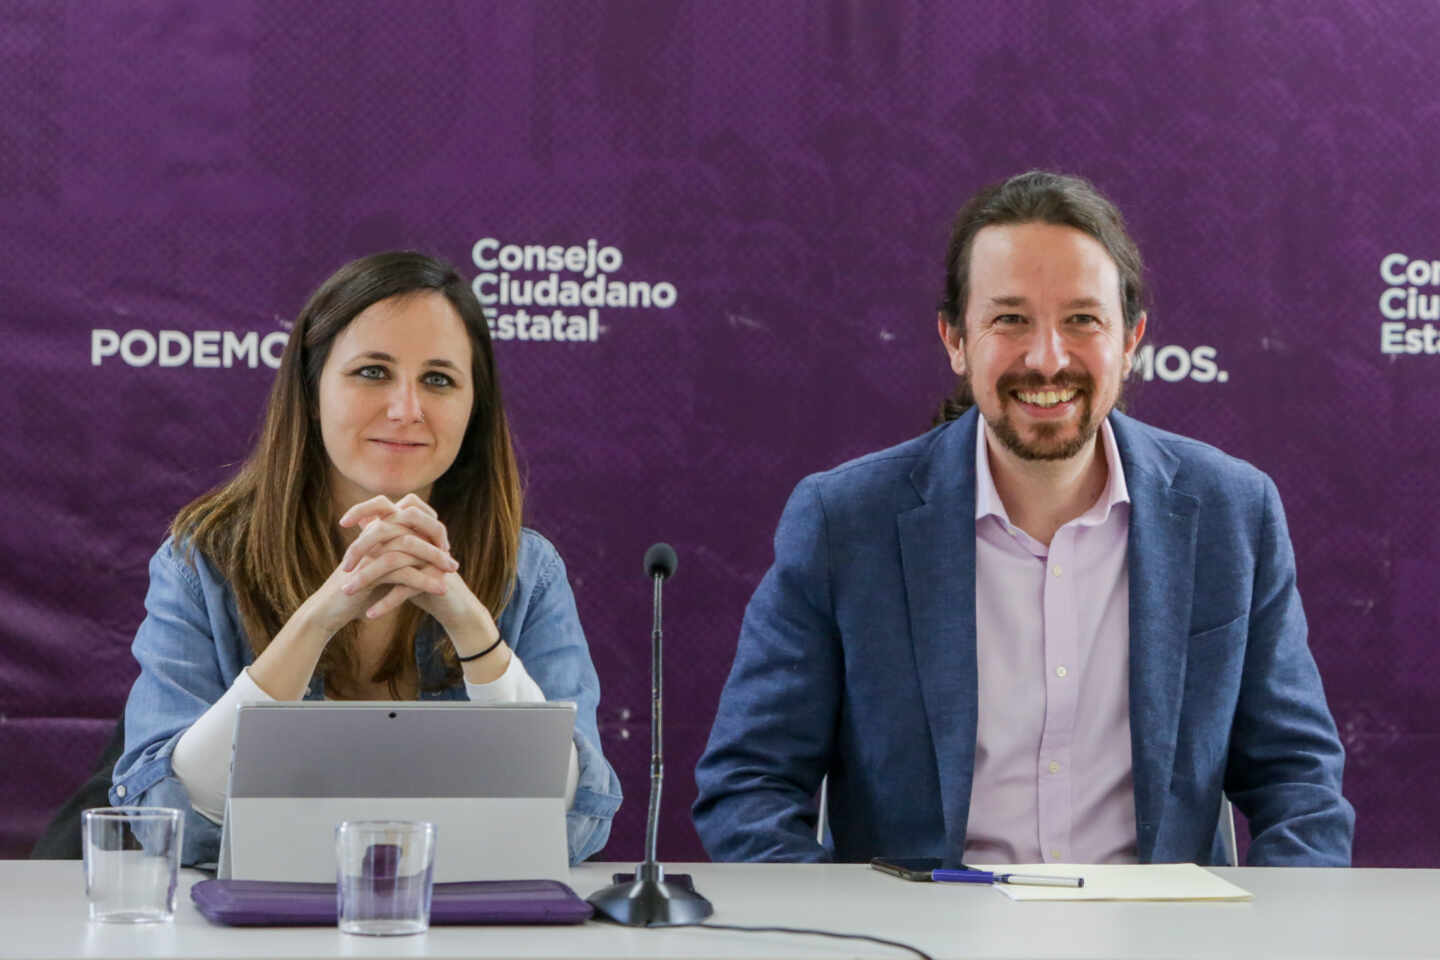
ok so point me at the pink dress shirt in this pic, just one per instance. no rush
(1052, 759)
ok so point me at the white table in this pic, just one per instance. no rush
(1296, 913)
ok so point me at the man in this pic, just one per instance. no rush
(1043, 631)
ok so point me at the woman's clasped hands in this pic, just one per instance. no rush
(402, 553)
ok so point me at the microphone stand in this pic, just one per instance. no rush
(648, 900)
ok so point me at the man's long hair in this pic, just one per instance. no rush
(272, 531)
(1035, 197)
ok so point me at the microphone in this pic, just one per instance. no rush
(647, 900)
(660, 561)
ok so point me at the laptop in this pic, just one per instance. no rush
(491, 779)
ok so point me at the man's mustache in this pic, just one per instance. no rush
(1031, 380)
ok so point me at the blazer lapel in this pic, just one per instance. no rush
(937, 550)
(1161, 564)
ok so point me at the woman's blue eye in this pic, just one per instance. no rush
(438, 379)
(372, 372)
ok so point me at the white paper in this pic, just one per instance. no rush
(1144, 881)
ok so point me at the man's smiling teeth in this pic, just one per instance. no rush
(1046, 398)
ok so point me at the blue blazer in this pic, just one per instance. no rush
(857, 660)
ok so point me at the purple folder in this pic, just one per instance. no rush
(265, 903)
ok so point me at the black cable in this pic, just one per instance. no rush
(803, 930)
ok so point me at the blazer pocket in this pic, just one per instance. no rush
(1228, 632)
(1215, 660)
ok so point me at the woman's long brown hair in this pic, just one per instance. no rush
(272, 531)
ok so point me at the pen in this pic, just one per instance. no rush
(967, 875)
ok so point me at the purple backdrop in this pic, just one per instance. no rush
(788, 170)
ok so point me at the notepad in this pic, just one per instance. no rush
(1142, 881)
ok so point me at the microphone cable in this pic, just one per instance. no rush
(901, 945)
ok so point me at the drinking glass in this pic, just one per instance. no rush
(384, 876)
(132, 863)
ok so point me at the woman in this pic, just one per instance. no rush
(370, 548)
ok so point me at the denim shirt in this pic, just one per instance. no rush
(191, 647)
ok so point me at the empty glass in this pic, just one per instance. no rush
(132, 863)
(384, 876)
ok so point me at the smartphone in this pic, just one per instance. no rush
(908, 868)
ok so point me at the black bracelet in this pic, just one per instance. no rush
(477, 656)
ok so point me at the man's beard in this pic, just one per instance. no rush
(1048, 442)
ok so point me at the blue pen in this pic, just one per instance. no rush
(969, 875)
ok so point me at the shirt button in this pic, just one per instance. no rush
(1060, 671)
(1054, 767)
(120, 791)
(1055, 854)
(1056, 570)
